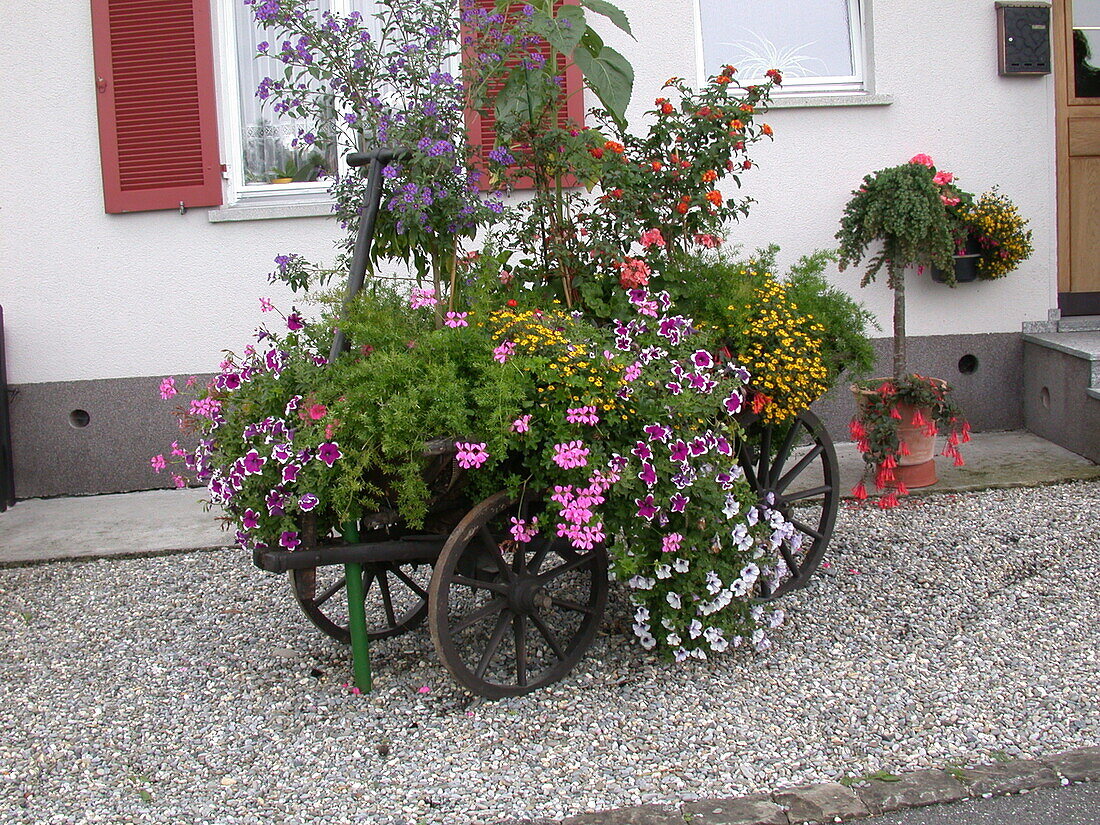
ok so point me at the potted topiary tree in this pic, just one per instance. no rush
(915, 212)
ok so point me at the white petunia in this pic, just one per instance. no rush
(673, 599)
(673, 639)
(695, 629)
(681, 565)
(641, 614)
(681, 654)
(777, 618)
(663, 571)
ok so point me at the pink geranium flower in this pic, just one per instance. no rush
(521, 424)
(470, 456)
(653, 238)
(421, 298)
(168, 388)
(922, 159)
(943, 178)
(157, 463)
(570, 454)
(504, 351)
(456, 319)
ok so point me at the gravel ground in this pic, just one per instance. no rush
(190, 688)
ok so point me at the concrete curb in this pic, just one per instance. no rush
(830, 802)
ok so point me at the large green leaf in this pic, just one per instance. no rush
(610, 76)
(522, 97)
(563, 32)
(592, 42)
(610, 11)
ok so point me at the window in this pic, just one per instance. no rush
(816, 44)
(264, 159)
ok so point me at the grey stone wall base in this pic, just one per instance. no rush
(911, 790)
(830, 802)
(757, 809)
(826, 802)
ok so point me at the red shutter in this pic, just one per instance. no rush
(481, 123)
(158, 136)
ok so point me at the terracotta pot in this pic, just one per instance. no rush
(918, 469)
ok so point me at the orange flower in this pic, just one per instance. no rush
(736, 125)
(613, 146)
(766, 129)
(745, 107)
(666, 109)
(709, 176)
(682, 208)
(722, 79)
(728, 69)
(596, 152)
(715, 197)
(657, 166)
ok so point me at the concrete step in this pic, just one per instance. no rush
(1079, 323)
(1062, 388)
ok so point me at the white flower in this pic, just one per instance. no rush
(641, 629)
(714, 582)
(757, 637)
(641, 583)
(698, 653)
(757, 613)
(750, 573)
(740, 588)
(777, 618)
(673, 599)
(695, 629)
(681, 565)
(775, 518)
(736, 641)
(641, 614)
(681, 654)
(752, 516)
(668, 624)
(719, 645)
(663, 571)
(712, 633)
(741, 537)
(732, 508)
(648, 642)
(673, 639)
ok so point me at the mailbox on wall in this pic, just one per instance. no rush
(1023, 37)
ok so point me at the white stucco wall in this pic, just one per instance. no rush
(88, 295)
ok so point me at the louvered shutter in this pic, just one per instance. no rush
(158, 135)
(481, 123)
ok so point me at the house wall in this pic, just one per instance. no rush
(90, 298)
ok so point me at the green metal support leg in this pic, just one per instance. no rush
(357, 616)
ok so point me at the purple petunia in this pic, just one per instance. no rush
(329, 452)
(308, 502)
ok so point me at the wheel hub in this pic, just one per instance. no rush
(527, 595)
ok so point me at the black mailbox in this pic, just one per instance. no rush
(1023, 37)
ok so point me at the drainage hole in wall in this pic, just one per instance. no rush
(79, 419)
(1044, 398)
(968, 364)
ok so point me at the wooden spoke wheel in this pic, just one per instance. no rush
(395, 597)
(793, 469)
(507, 617)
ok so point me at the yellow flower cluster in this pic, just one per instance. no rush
(781, 348)
(581, 376)
(1001, 231)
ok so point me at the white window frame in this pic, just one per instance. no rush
(237, 192)
(856, 83)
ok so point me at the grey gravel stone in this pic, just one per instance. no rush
(1080, 765)
(911, 790)
(637, 815)
(1011, 777)
(755, 809)
(824, 802)
(166, 675)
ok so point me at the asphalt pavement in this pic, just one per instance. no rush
(1072, 805)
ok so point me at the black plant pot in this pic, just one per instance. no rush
(966, 265)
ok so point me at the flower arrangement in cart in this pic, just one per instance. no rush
(603, 347)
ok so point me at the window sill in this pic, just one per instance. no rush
(821, 101)
(243, 211)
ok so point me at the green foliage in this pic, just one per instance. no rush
(903, 207)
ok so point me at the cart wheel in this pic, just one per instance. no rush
(396, 597)
(795, 464)
(507, 618)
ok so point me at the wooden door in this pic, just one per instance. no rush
(1077, 70)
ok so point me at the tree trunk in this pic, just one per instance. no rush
(899, 325)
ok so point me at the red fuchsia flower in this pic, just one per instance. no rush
(943, 178)
(582, 415)
(522, 424)
(918, 418)
(860, 492)
(168, 388)
(570, 454)
(456, 319)
(634, 273)
(923, 160)
(329, 452)
(888, 501)
(895, 414)
(420, 298)
(471, 455)
(504, 352)
(522, 531)
(158, 463)
(671, 543)
(266, 305)
(653, 237)
(856, 429)
(903, 449)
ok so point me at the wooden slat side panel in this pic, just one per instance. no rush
(157, 110)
